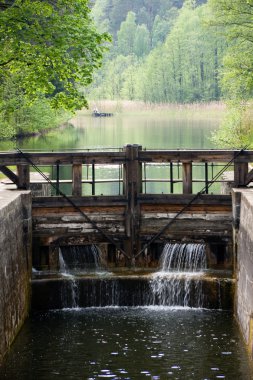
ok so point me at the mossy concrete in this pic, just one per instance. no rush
(15, 263)
(243, 238)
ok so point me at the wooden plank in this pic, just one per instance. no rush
(106, 201)
(194, 155)
(184, 199)
(192, 208)
(51, 158)
(70, 210)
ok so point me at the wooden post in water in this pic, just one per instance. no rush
(23, 173)
(187, 177)
(132, 188)
(77, 180)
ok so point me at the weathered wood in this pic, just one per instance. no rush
(198, 208)
(132, 217)
(187, 178)
(184, 199)
(249, 177)
(166, 156)
(77, 180)
(241, 173)
(132, 187)
(92, 202)
(8, 173)
(23, 175)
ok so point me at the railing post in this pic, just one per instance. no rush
(240, 173)
(77, 180)
(187, 177)
(23, 173)
(132, 189)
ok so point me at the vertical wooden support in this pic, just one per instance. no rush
(187, 178)
(132, 188)
(206, 178)
(93, 190)
(171, 178)
(240, 173)
(23, 173)
(77, 180)
(57, 178)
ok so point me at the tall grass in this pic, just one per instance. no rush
(194, 110)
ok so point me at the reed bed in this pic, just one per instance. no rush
(193, 110)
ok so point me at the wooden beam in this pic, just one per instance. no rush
(166, 156)
(241, 172)
(249, 177)
(187, 177)
(132, 189)
(8, 173)
(23, 176)
(77, 180)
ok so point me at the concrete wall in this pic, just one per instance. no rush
(243, 223)
(15, 263)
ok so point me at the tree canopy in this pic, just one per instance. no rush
(49, 48)
(235, 17)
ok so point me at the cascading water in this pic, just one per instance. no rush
(74, 261)
(81, 259)
(178, 283)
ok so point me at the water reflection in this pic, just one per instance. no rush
(128, 343)
(152, 132)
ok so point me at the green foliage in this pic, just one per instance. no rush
(50, 46)
(19, 117)
(234, 17)
(184, 68)
(126, 35)
(236, 130)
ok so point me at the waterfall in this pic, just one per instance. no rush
(75, 260)
(179, 281)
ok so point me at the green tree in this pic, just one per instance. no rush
(126, 34)
(141, 41)
(185, 67)
(234, 18)
(51, 47)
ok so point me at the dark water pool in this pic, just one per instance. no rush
(128, 343)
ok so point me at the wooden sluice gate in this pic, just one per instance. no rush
(132, 220)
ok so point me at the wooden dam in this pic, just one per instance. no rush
(129, 223)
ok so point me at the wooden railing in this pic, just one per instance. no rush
(132, 163)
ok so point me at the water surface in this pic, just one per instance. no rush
(150, 131)
(128, 343)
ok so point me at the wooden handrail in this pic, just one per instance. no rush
(131, 159)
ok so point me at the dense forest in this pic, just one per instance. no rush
(180, 52)
(161, 53)
(156, 51)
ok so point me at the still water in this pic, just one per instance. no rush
(152, 132)
(128, 343)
